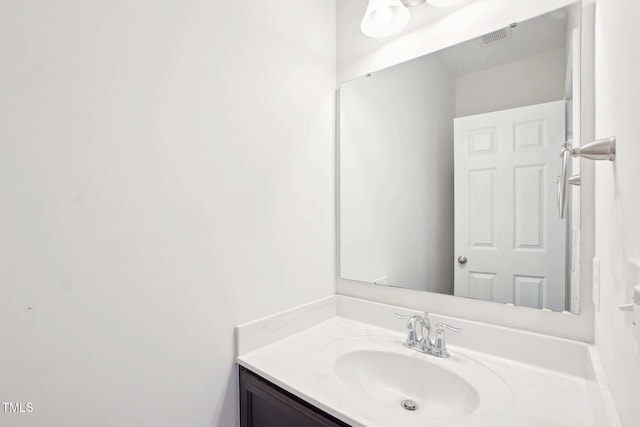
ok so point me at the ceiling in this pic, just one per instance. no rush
(528, 38)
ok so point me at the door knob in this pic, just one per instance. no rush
(462, 259)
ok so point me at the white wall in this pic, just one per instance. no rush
(617, 60)
(396, 177)
(166, 172)
(431, 30)
(533, 80)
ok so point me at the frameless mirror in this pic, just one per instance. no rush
(449, 166)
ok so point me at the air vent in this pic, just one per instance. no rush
(497, 36)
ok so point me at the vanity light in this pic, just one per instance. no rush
(384, 18)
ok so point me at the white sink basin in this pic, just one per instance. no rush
(388, 379)
(376, 373)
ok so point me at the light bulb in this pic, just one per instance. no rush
(383, 15)
(384, 18)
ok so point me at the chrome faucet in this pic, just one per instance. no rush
(424, 343)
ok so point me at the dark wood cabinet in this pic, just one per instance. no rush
(264, 404)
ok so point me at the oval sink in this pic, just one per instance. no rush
(388, 379)
(376, 374)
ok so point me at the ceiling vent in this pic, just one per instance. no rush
(497, 36)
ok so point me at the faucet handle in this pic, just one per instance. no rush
(403, 316)
(410, 316)
(441, 326)
(439, 348)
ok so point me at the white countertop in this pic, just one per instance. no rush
(537, 397)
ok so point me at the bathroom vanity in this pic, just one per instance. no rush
(342, 361)
(263, 403)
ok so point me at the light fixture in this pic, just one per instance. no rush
(384, 18)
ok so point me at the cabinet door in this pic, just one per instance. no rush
(263, 404)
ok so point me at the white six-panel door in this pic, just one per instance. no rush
(506, 221)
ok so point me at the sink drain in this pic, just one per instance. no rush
(409, 405)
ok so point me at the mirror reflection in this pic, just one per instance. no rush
(449, 165)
